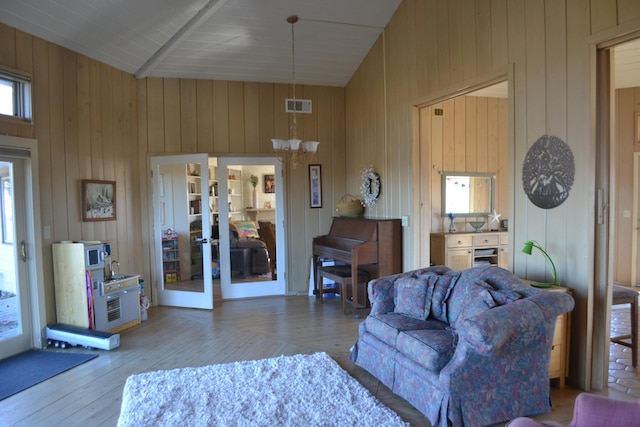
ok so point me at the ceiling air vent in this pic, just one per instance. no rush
(297, 105)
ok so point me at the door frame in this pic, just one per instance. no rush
(33, 237)
(604, 141)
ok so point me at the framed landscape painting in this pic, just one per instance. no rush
(98, 200)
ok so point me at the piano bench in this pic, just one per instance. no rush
(341, 276)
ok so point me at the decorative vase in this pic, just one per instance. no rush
(255, 198)
(452, 226)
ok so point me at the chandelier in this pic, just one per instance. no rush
(294, 150)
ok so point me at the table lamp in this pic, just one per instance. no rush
(528, 247)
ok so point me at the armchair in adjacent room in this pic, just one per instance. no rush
(268, 234)
(249, 254)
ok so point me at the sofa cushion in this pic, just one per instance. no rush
(441, 290)
(386, 327)
(409, 298)
(431, 348)
(468, 299)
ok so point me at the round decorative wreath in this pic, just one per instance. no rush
(369, 187)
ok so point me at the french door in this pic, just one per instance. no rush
(182, 228)
(260, 270)
(15, 315)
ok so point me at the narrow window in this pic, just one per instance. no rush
(15, 95)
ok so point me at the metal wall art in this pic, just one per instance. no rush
(548, 172)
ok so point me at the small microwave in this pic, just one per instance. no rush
(94, 256)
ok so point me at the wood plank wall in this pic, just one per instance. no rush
(470, 136)
(93, 121)
(239, 118)
(431, 49)
(86, 126)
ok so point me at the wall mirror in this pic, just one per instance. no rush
(467, 194)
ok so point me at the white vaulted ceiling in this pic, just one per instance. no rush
(242, 40)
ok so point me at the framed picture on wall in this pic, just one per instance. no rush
(315, 186)
(269, 183)
(98, 200)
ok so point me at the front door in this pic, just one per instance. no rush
(182, 228)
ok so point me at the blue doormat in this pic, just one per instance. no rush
(27, 369)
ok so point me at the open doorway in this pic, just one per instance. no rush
(464, 133)
(618, 136)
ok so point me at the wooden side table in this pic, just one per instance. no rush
(559, 361)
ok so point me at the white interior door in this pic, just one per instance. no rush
(233, 207)
(182, 228)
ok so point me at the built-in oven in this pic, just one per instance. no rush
(118, 303)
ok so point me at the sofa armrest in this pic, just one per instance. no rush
(381, 293)
(520, 324)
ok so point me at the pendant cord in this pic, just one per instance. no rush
(294, 126)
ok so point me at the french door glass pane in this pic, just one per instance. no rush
(10, 323)
(251, 202)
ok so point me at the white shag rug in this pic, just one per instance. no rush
(300, 390)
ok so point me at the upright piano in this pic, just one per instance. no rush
(370, 244)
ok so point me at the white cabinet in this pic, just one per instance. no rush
(465, 250)
(196, 208)
(214, 196)
(194, 186)
(194, 183)
(559, 360)
(235, 185)
(503, 251)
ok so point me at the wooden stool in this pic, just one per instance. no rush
(341, 276)
(622, 295)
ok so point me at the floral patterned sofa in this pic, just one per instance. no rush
(467, 347)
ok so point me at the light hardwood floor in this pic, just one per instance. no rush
(235, 330)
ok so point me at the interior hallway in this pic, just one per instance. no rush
(622, 376)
